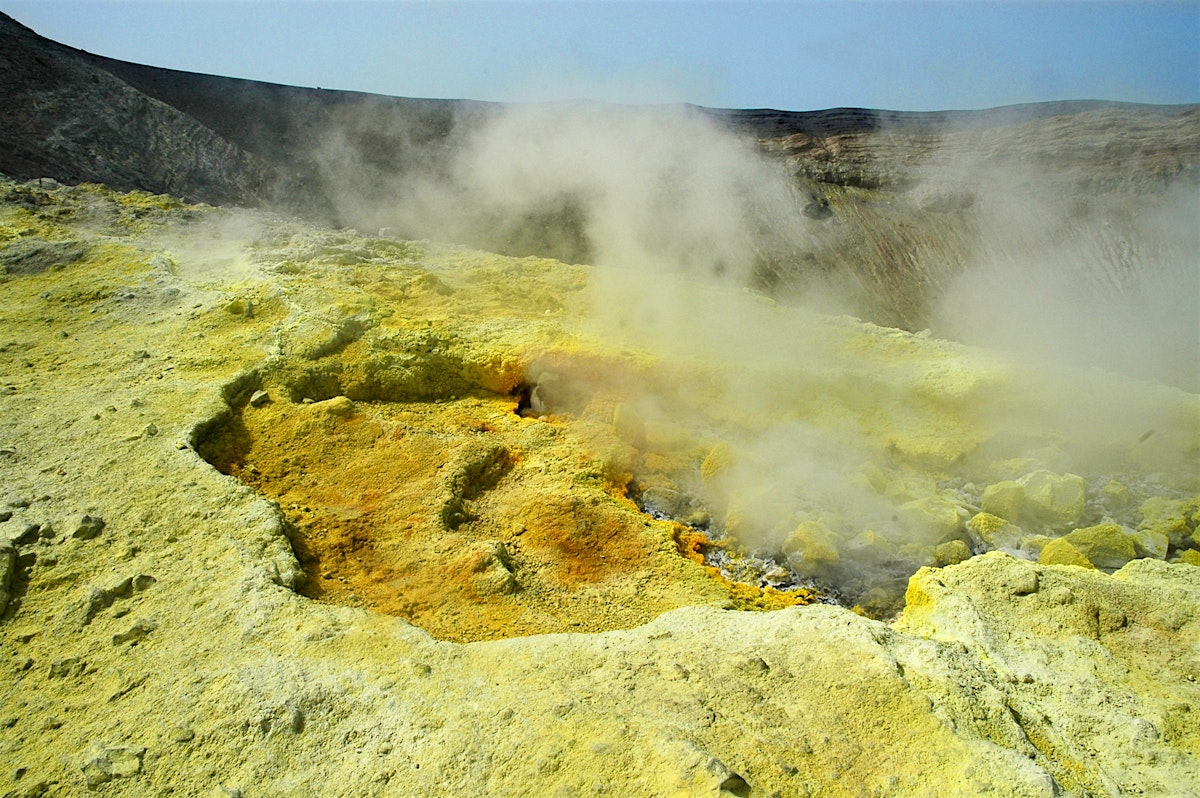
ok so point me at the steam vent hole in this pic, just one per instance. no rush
(467, 515)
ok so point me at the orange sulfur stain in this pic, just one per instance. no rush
(460, 516)
(691, 543)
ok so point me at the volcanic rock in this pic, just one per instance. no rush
(63, 117)
(1053, 499)
(1061, 551)
(8, 564)
(1104, 545)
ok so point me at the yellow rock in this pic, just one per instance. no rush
(1034, 544)
(718, 460)
(995, 532)
(869, 546)
(1060, 551)
(810, 548)
(1116, 494)
(1005, 499)
(240, 307)
(951, 552)
(1190, 556)
(932, 519)
(1055, 499)
(1105, 545)
(1167, 517)
(338, 406)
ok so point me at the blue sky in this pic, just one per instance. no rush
(799, 55)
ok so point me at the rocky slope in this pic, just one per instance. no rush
(62, 117)
(161, 636)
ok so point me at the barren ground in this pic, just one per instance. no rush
(248, 629)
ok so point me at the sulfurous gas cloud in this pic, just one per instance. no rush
(846, 462)
(650, 189)
(1071, 272)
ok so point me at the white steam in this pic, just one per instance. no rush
(1075, 264)
(828, 425)
(658, 189)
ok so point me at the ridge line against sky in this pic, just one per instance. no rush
(799, 55)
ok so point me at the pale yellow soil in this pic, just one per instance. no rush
(182, 647)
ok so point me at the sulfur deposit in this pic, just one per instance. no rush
(297, 511)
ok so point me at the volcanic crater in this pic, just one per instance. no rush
(291, 508)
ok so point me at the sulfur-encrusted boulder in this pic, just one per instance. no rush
(337, 407)
(994, 532)
(1149, 542)
(1115, 494)
(869, 547)
(1061, 551)
(810, 548)
(951, 552)
(718, 461)
(1005, 499)
(1105, 545)
(933, 519)
(1055, 500)
(1105, 725)
(1167, 517)
(1040, 498)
